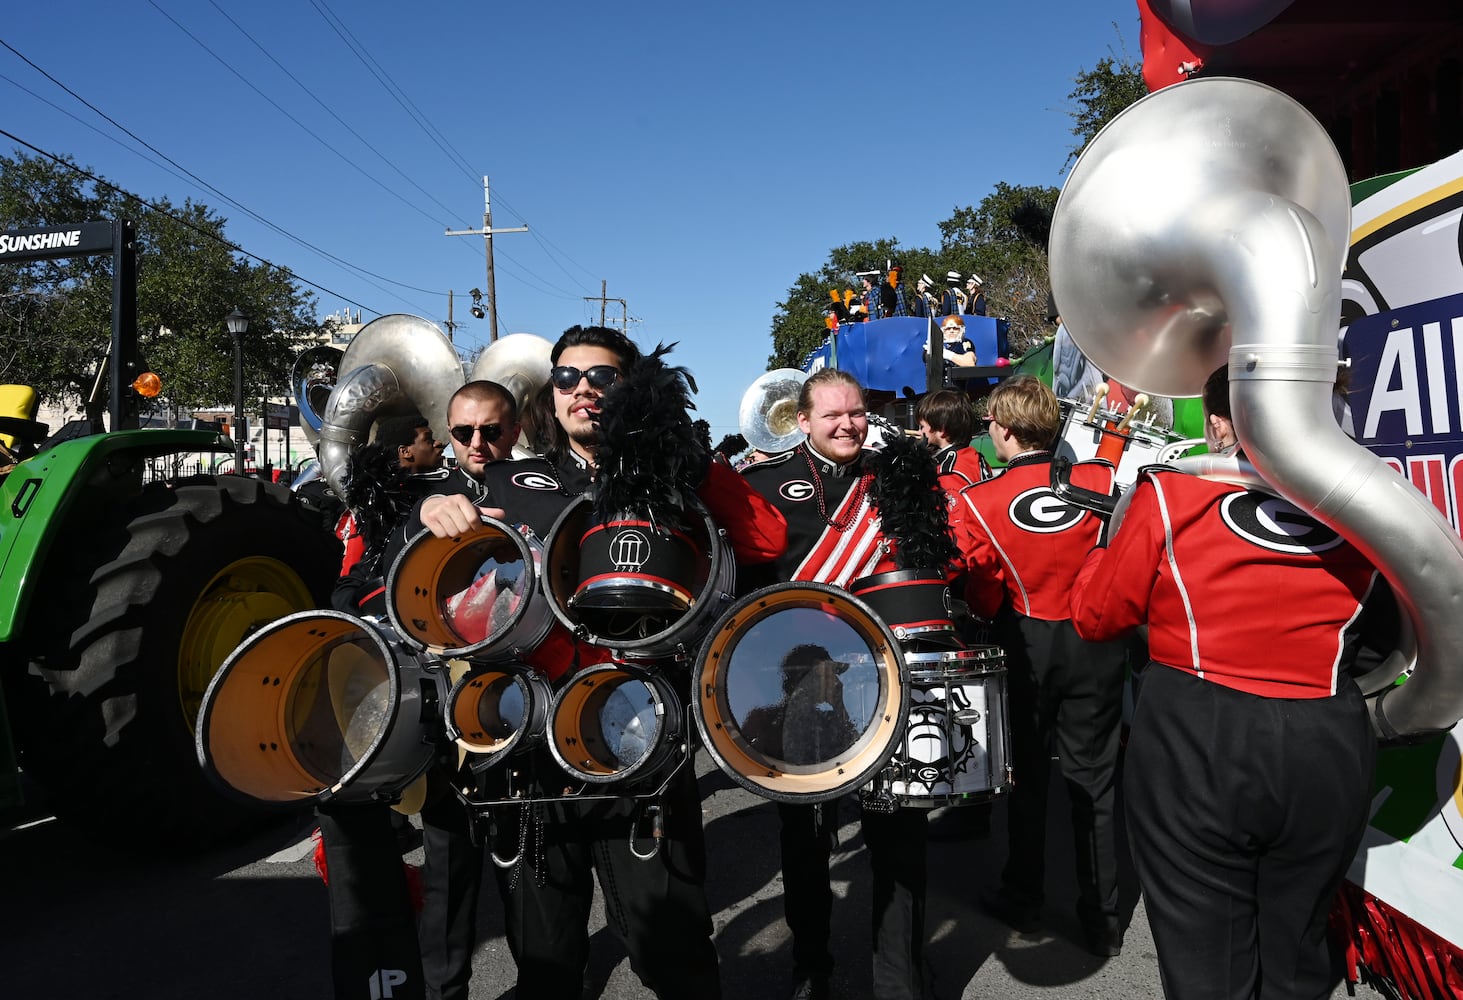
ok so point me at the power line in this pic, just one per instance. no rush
(200, 181)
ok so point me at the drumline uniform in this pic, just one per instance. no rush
(1021, 549)
(658, 907)
(1250, 759)
(960, 466)
(811, 491)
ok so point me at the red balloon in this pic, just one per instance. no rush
(1003, 362)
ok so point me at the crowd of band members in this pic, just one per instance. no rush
(884, 296)
(1065, 694)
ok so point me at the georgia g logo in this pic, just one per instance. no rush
(1040, 510)
(535, 481)
(1275, 524)
(797, 491)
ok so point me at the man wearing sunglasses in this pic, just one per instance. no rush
(658, 906)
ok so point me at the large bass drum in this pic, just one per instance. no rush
(801, 692)
(957, 746)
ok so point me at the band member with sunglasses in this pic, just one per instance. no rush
(657, 906)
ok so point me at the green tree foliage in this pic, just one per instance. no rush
(1100, 93)
(55, 316)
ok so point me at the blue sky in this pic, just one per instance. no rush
(696, 157)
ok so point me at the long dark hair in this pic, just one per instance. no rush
(551, 440)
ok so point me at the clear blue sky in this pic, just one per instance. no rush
(697, 157)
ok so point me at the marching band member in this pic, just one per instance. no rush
(659, 905)
(833, 536)
(947, 423)
(1021, 549)
(1249, 764)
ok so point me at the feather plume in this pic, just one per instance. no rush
(912, 506)
(651, 455)
(376, 490)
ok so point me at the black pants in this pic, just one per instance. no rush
(452, 879)
(657, 907)
(1244, 813)
(896, 844)
(1065, 695)
(373, 934)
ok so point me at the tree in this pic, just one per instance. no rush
(55, 316)
(1100, 94)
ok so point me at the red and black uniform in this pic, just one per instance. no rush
(1249, 765)
(960, 466)
(658, 906)
(833, 537)
(1021, 547)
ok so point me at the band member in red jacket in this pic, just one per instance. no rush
(947, 423)
(1022, 547)
(1249, 764)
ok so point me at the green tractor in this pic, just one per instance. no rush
(121, 597)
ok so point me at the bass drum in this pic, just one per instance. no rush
(957, 746)
(801, 692)
(603, 588)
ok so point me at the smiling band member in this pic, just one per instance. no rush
(657, 906)
(1021, 548)
(833, 536)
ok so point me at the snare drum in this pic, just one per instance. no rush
(1090, 432)
(956, 747)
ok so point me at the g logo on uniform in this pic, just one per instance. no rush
(535, 481)
(797, 491)
(1039, 510)
(1275, 524)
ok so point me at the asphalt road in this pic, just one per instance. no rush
(251, 922)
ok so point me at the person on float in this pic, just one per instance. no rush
(974, 296)
(958, 349)
(1021, 548)
(1248, 773)
(658, 906)
(834, 537)
(891, 294)
(953, 301)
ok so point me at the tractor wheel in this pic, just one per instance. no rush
(133, 617)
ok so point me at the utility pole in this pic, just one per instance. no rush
(624, 311)
(487, 233)
(451, 326)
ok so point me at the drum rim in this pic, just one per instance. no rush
(491, 645)
(871, 752)
(662, 746)
(538, 696)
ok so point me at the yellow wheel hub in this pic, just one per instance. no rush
(243, 597)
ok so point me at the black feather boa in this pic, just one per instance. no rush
(912, 506)
(377, 491)
(652, 456)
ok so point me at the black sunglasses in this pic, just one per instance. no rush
(463, 433)
(566, 377)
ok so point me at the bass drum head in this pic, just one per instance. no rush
(802, 692)
(472, 595)
(603, 592)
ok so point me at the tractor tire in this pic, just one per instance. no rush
(134, 616)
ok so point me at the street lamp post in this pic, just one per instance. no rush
(238, 323)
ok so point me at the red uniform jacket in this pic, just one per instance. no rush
(1237, 586)
(1019, 543)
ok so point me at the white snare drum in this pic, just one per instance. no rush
(956, 747)
(1091, 432)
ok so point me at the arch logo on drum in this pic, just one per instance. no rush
(535, 481)
(797, 491)
(1041, 511)
(629, 550)
(1276, 524)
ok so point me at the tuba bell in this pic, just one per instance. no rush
(768, 418)
(312, 378)
(395, 365)
(1208, 223)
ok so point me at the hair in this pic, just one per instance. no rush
(952, 318)
(827, 376)
(1216, 393)
(1028, 409)
(949, 412)
(481, 391)
(399, 432)
(549, 439)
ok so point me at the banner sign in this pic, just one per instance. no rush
(46, 242)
